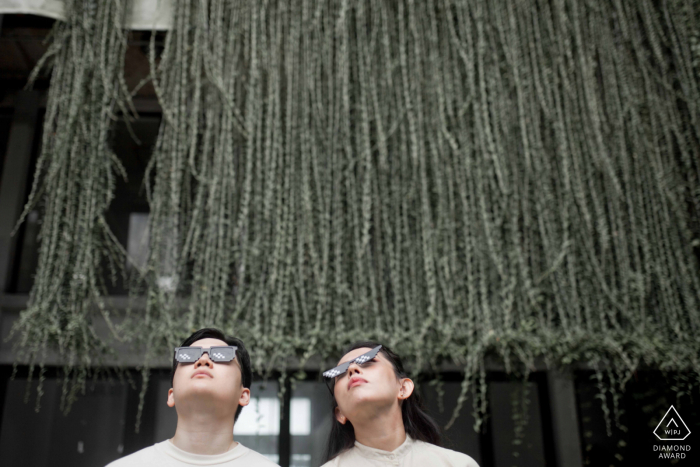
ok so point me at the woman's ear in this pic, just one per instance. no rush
(339, 416)
(406, 388)
(171, 398)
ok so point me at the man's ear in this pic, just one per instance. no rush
(339, 416)
(406, 388)
(245, 397)
(171, 398)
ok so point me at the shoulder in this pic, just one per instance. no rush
(145, 456)
(254, 458)
(336, 461)
(455, 458)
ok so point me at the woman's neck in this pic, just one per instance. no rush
(382, 430)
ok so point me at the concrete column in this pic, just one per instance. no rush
(565, 426)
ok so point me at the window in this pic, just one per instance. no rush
(91, 434)
(127, 215)
(100, 426)
(648, 397)
(310, 423)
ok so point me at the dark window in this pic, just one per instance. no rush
(91, 434)
(5, 124)
(461, 435)
(127, 215)
(647, 398)
(101, 425)
(309, 423)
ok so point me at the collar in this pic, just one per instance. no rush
(378, 454)
(167, 447)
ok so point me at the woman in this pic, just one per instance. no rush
(378, 419)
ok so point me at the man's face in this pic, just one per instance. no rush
(208, 384)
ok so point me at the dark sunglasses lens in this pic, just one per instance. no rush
(364, 358)
(373, 353)
(222, 354)
(188, 354)
(337, 371)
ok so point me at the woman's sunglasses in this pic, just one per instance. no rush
(333, 373)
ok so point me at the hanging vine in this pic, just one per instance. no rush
(73, 185)
(455, 179)
(452, 178)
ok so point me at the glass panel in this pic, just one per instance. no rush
(137, 241)
(258, 426)
(91, 434)
(28, 253)
(5, 124)
(505, 402)
(127, 214)
(27, 246)
(647, 398)
(461, 435)
(310, 407)
(166, 417)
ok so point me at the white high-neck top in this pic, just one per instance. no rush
(166, 454)
(411, 453)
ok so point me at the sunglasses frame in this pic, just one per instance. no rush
(202, 350)
(333, 373)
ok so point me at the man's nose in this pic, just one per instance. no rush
(204, 360)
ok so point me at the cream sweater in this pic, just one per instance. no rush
(166, 454)
(411, 453)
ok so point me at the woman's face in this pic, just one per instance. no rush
(368, 387)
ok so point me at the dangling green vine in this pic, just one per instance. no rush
(73, 186)
(456, 179)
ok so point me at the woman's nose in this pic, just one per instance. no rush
(354, 368)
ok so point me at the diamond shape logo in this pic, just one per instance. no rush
(672, 427)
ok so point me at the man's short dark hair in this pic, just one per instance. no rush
(241, 355)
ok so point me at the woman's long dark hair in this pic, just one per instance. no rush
(417, 423)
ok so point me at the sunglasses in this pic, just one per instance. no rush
(216, 354)
(333, 373)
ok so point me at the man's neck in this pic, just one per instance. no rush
(203, 433)
(382, 430)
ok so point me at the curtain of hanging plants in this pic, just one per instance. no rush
(73, 185)
(451, 178)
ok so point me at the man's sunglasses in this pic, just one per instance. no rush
(216, 354)
(333, 373)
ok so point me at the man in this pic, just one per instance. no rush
(210, 381)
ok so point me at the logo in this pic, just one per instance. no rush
(672, 427)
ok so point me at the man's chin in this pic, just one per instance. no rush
(201, 399)
(201, 389)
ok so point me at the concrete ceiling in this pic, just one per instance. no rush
(23, 41)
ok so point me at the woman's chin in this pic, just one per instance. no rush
(360, 395)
